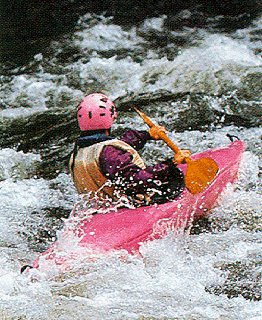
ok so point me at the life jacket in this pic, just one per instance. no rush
(87, 174)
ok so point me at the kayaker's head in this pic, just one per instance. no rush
(96, 112)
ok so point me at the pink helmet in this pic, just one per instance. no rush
(96, 111)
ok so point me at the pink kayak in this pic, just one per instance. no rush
(128, 228)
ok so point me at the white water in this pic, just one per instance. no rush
(174, 277)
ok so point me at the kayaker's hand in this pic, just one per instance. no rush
(155, 130)
(181, 156)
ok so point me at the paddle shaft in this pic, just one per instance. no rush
(161, 134)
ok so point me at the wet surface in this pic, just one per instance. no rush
(196, 70)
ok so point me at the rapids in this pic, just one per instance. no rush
(201, 83)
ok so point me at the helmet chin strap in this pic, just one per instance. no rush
(107, 132)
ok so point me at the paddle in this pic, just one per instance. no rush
(200, 173)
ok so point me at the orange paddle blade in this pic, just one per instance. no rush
(200, 173)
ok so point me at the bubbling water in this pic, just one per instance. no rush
(207, 272)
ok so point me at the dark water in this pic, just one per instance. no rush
(27, 27)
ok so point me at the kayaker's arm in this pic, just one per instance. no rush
(135, 138)
(119, 168)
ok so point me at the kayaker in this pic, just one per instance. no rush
(111, 168)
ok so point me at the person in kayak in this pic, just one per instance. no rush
(111, 168)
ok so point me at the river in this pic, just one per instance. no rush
(197, 74)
